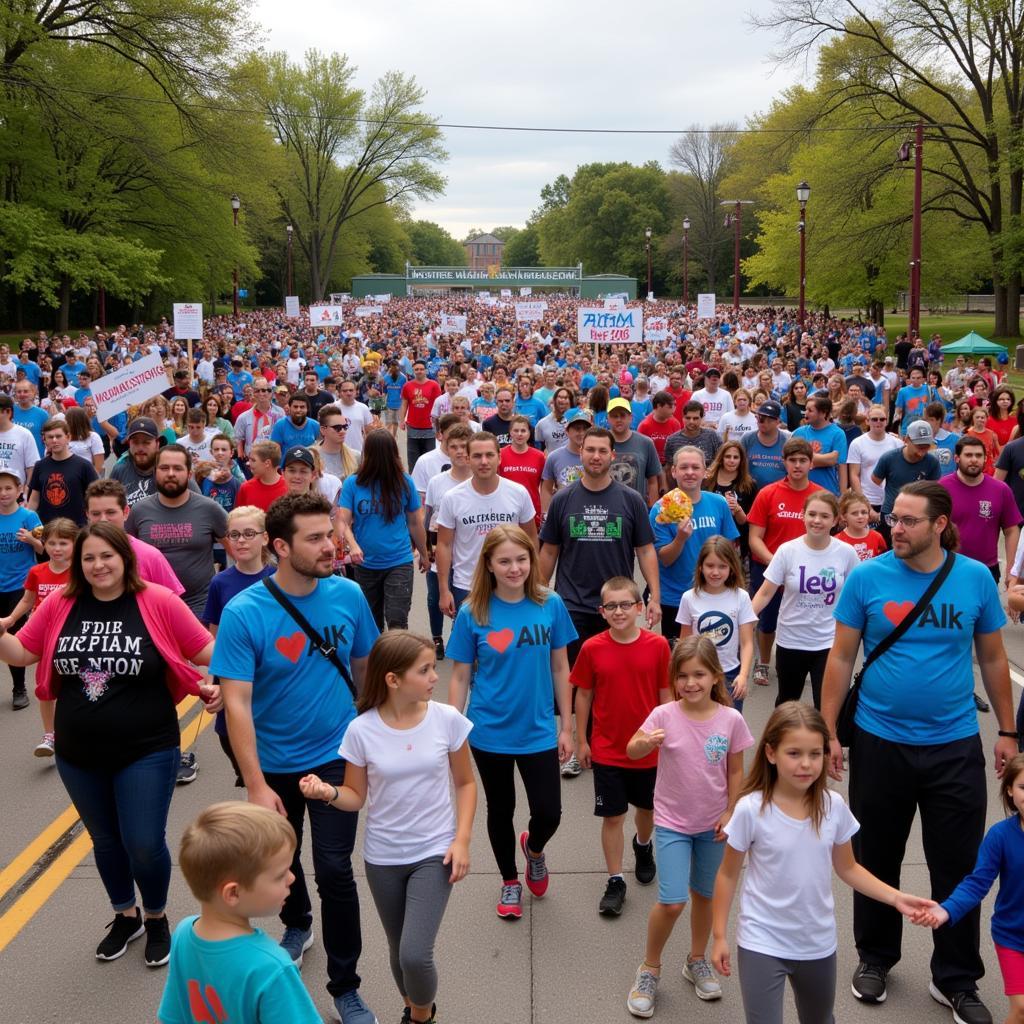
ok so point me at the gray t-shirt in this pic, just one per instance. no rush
(636, 459)
(136, 486)
(894, 470)
(551, 434)
(563, 466)
(186, 536)
(708, 441)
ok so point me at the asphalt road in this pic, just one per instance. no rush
(560, 963)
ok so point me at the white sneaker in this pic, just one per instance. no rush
(645, 989)
(703, 978)
(571, 768)
(44, 748)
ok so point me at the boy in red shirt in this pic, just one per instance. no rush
(267, 484)
(622, 674)
(522, 464)
(660, 424)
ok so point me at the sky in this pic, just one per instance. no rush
(576, 63)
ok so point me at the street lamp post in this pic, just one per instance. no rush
(647, 235)
(289, 230)
(914, 320)
(736, 220)
(686, 260)
(803, 193)
(236, 205)
(101, 312)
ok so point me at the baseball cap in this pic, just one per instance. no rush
(712, 371)
(578, 416)
(143, 425)
(11, 472)
(919, 432)
(299, 454)
(620, 403)
(770, 408)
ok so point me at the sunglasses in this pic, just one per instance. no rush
(338, 426)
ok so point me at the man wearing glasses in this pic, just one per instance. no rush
(863, 456)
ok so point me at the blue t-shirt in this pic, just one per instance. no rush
(911, 402)
(511, 701)
(640, 410)
(224, 494)
(824, 440)
(945, 452)
(16, 557)
(249, 978)
(301, 706)
(711, 518)
(32, 419)
(766, 465)
(31, 371)
(532, 408)
(238, 380)
(385, 544)
(287, 435)
(921, 691)
(393, 388)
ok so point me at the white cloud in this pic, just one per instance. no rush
(539, 63)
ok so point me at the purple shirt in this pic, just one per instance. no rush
(981, 513)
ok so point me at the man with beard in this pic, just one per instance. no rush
(135, 470)
(288, 705)
(298, 429)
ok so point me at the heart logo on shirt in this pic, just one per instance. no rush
(501, 639)
(897, 611)
(291, 646)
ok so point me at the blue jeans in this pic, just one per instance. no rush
(125, 813)
(434, 613)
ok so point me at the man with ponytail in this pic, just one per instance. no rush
(915, 744)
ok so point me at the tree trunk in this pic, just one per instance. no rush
(64, 313)
(1000, 300)
(1012, 307)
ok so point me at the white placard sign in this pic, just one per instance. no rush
(529, 312)
(506, 293)
(706, 306)
(339, 298)
(614, 302)
(382, 300)
(523, 292)
(599, 326)
(325, 316)
(291, 305)
(188, 321)
(483, 295)
(365, 311)
(656, 328)
(451, 324)
(129, 385)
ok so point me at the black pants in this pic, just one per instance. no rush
(889, 782)
(333, 835)
(793, 667)
(587, 624)
(417, 446)
(669, 627)
(8, 602)
(539, 773)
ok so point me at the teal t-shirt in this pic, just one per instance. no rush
(249, 978)
(825, 440)
(921, 691)
(301, 705)
(512, 699)
(16, 557)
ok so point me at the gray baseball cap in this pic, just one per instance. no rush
(920, 432)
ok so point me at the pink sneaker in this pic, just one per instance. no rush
(536, 869)
(511, 902)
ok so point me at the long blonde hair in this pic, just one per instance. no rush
(480, 592)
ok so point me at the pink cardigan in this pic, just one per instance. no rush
(174, 630)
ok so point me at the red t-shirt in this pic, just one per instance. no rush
(1002, 428)
(43, 581)
(238, 408)
(525, 469)
(625, 679)
(867, 547)
(421, 400)
(682, 396)
(659, 432)
(780, 510)
(255, 492)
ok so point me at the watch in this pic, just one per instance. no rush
(1009, 735)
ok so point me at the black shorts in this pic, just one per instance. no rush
(616, 788)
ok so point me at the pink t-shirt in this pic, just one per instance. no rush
(154, 567)
(692, 788)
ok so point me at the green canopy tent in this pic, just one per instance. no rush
(973, 344)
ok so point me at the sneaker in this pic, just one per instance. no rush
(158, 941)
(572, 768)
(432, 1019)
(438, 648)
(120, 932)
(981, 704)
(966, 1006)
(510, 904)
(761, 674)
(645, 988)
(613, 898)
(187, 769)
(349, 1008)
(19, 700)
(536, 869)
(295, 942)
(869, 983)
(645, 868)
(44, 748)
(702, 976)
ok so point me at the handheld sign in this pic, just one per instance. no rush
(116, 391)
(597, 326)
(656, 328)
(706, 306)
(291, 305)
(325, 316)
(451, 324)
(188, 320)
(528, 312)
(364, 311)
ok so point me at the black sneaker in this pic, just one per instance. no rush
(120, 932)
(966, 1006)
(981, 704)
(187, 769)
(613, 898)
(158, 941)
(869, 983)
(438, 648)
(19, 700)
(645, 869)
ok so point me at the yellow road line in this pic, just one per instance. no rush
(27, 905)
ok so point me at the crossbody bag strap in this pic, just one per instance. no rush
(328, 650)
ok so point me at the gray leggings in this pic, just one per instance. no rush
(411, 899)
(763, 983)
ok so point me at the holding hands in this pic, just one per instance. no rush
(935, 917)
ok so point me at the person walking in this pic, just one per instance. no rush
(418, 396)
(899, 466)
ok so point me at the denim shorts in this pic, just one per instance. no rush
(686, 862)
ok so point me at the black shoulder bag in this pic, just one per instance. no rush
(329, 651)
(848, 710)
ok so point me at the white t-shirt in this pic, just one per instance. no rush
(294, 368)
(813, 581)
(716, 405)
(427, 467)
(86, 449)
(437, 488)
(18, 451)
(199, 450)
(786, 904)
(718, 617)
(865, 452)
(330, 486)
(410, 815)
(473, 515)
(736, 425)
(359, 418)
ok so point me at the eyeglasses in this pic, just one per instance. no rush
(876, 419)
(239, 534)
(338, 426)
(620, 606)
(907, 522)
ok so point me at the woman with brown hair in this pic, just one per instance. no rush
(85, 442)
(729, 475)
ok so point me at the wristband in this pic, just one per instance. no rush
(335, 797)
(1009, 735)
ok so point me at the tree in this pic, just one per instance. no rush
(956, 67)
(523, 248)
(432, 246)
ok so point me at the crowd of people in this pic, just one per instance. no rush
(251, 537)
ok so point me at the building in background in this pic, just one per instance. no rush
(484, 252)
